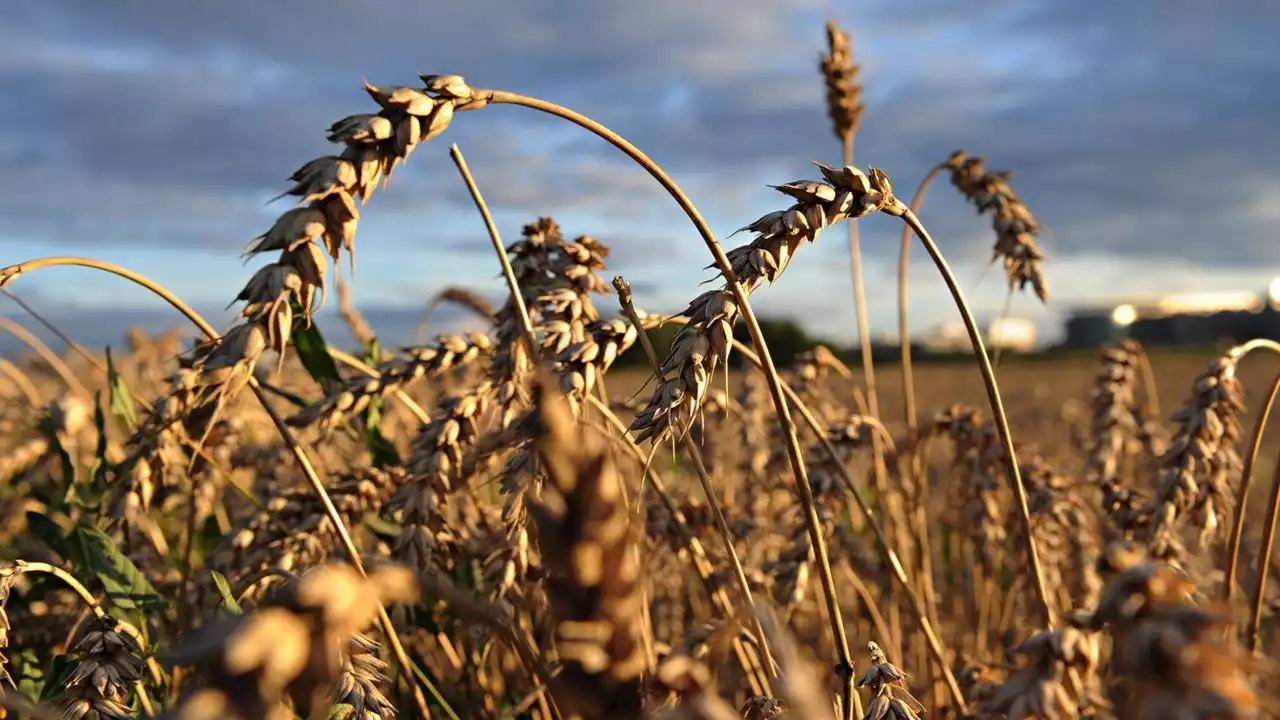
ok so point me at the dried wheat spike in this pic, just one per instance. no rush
(980, 461)
(448, 352)
(1015, 226)
(538, 267)
(703, 345)
(844, 92)
(1113, 421)
(438, 455)
(293, 647)
(330, 190)
(160, 449)
(583, 363)
(890, 698)
(1197, 470)
(1057, 680)
(363, 684)
(1169, 652)
(586, 540)
(106, 666)
(293, 532)
(1065, 530)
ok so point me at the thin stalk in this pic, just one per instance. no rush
(47, 325)
(691, 448)
(830, 592)
(882, 540)
(873, 401)
(526, 324)
(997, 410)
(46, 354)
(12, 272)
(909, 386)
(1242, 496)
(1264, 561)
(701, 564)
(904, 333)
(19, 378)
(513, 286)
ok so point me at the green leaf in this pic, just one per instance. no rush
(127, 588)
(341, 712)
(224, 588)
(90, 496)
(48, 532)
(121, 399)
(30, 672)
(381, 450)
(60, 669)
(382, 527)
(314, 354)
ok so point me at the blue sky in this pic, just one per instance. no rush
(151, 134)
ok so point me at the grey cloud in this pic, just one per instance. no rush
(1138, 129)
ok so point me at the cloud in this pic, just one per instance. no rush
(1140, 134)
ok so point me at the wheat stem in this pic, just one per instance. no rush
(522, 312)
(882, 539)
(19, 378)
(997, 411)
(904, 333)
(726, 535)
(46, 354)
(1242, 499)
(869, 380)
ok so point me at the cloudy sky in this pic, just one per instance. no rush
(1143, 133)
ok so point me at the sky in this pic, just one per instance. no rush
(1142, 133)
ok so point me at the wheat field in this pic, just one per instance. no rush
(494, 525)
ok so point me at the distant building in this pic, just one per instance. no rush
(1181, 319)
(1016, 334)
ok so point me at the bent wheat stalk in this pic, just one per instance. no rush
(73, 383)
(794, 453)
(904, 332)
(997, 409)
(1242, 498)
(12, 272)
(629, 309)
